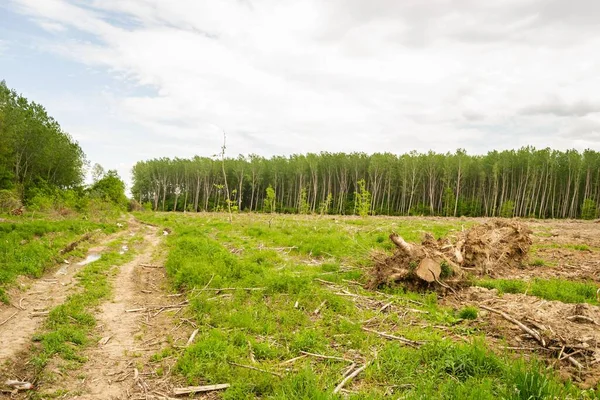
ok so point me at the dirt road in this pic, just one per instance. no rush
(131, 327)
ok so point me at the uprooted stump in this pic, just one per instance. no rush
(496, 245)
(481, 250)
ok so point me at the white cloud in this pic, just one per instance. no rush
(344, 75)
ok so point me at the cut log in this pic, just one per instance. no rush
(428, 270)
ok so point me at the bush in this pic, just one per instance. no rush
(134, 205)
(9, 200)
(110, 188)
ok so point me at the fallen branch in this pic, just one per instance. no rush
(318, 310)
(256, 369)
(582, 318)
(18, 385)
(291, 360)
(39, 313)
(199, 389)
(393, 337)
(150, 266)
(76, 243)
(8, 319)
(192, 337)
(349, 378)
(326, 357)
(21, 304)
(382, 309)
(523, 327)
(154, 308)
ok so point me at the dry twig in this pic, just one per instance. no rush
(349, 378)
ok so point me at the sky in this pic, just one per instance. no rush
(137, 79)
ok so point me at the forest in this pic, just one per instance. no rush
(527, 182)
(34, 150)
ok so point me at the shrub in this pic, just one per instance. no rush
(9, 200)
(134, 205)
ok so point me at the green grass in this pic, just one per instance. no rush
(469, 312)
(68, 329)
(283, 258)
(538, 262)
(29, 247)
(549, 289)
(579, 247)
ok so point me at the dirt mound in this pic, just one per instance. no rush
(482, 249)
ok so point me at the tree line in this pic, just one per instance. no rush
(43, 167)
(34, 150)
(527, 182)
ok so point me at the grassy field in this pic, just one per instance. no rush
(30, 246)
(282, 315)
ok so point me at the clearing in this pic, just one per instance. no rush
(284, 307)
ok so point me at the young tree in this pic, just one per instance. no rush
(270, 198)
(363, 199)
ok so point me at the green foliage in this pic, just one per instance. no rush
(589, 209)
(325, 205)
(362, 199)
(468, 312)
(508, 209)
(110, 188)
(538, 262)
(510, 183)
(303, 206)
(9, 200)
(446, 270)
(33, 147)
(449, 201)
(269, 202)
